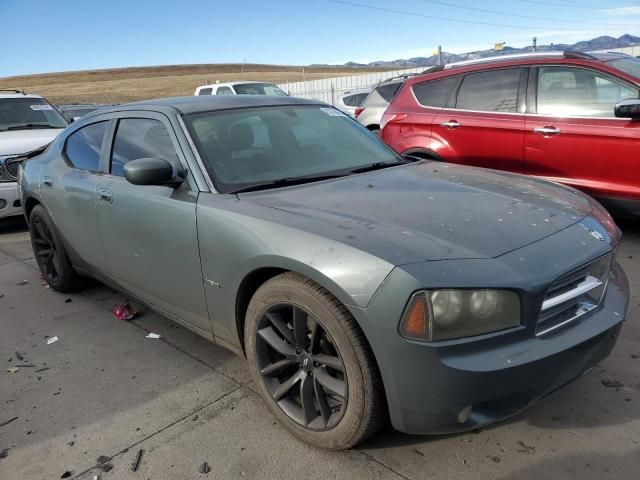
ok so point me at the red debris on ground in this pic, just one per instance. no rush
(124, 311)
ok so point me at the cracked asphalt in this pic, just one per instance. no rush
(103, 391)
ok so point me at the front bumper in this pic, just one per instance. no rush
(430, 386)
(9, 200)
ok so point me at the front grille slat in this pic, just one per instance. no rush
(11, 167)
(574, 294)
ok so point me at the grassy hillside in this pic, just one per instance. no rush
(138, 83)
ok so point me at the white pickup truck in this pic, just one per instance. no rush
(27, 122)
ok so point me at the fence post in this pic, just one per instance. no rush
(333, 97)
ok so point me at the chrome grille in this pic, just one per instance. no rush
(574, 294)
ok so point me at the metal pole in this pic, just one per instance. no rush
(439, 55)
(535, 43)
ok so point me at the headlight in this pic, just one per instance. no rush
(446, 314)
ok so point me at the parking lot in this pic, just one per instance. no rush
(86, 404)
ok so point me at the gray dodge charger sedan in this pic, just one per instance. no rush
(359, 285)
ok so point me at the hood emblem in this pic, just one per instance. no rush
(597, 235)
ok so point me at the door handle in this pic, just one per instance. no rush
(451, 124)
(547, 130)
(48, 182)
(105, 195)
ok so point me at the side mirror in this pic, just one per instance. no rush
(629, 108)
(150, 171)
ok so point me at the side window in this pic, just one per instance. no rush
(354, 100)
(435, 93)
(224, 91)
(388, 92)
(205, 91)
(83, 146)
(493, 91)
(140, 138)
(579, 92)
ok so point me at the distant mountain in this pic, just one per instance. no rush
(599, 43)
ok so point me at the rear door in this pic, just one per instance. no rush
(572, 135)
(70, 190)
(483, 124)
(149, 232)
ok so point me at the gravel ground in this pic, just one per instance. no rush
(103, 391)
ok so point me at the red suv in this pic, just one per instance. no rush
(567, 117)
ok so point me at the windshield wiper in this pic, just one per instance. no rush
(378, 166)
(30, 125)
(285, 182)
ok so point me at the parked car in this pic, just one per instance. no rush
(350, 100)
(27, 122)
(74, 112)
(356, 282)
(565, 117)
(370, 112)
(240, 88)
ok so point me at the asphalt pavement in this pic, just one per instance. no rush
(88, 403)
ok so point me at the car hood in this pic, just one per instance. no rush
(16, 142)
(430, 211)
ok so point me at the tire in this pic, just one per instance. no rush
(49, 251)
(337, 360)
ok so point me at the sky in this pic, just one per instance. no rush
(40, 36)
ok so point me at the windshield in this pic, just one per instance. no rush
(28, 113)
(255, 146)
(629, 65)
(258, 89)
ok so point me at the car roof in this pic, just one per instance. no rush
(522, 59)
(17, 94)
(206, 103)
(231, 84)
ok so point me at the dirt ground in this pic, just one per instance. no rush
(104, 392)
(139, 83)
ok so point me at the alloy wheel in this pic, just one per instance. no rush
(301, 367)
(46, 251)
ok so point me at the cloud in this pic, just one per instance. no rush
(621, 11)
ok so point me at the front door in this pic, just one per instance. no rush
(149, 232)
(485, 127)
(573, 136)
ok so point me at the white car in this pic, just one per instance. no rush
(352, 99)
(240, 88)
(27, 122)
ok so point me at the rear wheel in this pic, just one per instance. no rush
(50, 253)
(312, 364)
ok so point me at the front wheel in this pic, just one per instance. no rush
(312, 364)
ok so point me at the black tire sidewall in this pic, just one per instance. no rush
(277, 291)
(67, 276)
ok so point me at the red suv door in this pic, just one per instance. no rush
(486, 127)
(573, 137)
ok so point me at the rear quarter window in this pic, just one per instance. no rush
(388, 92)
(83, 146)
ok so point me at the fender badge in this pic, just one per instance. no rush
(597, 235)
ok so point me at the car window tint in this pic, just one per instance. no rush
(579, 92)
(494, 91)
(83, 146)
(354, 100)
(224, 91)
(434, 93)
(140, 138)
(388, 92)
(205, 91)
